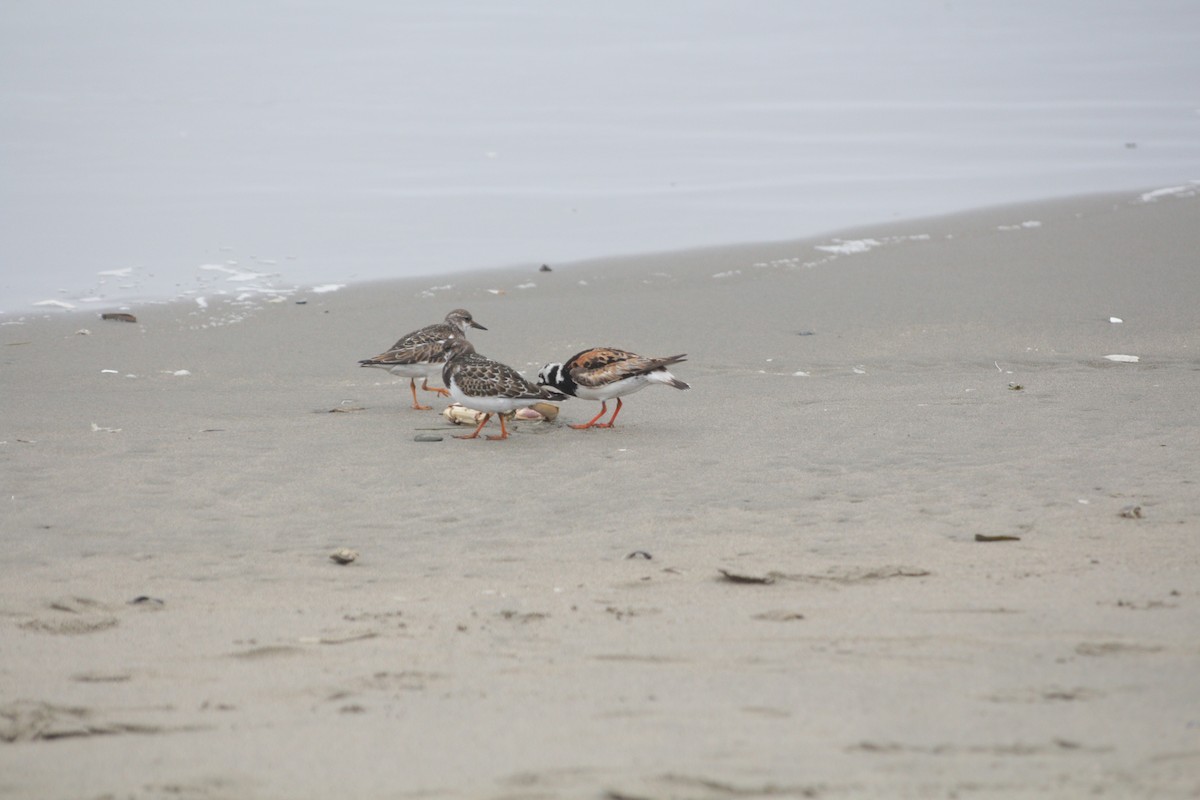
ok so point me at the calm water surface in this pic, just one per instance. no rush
(215, 145)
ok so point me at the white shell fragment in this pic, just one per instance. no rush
(461, 415)
(1123, 358)
(1115, 320)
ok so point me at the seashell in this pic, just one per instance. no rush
(548, 411)
(461, 415)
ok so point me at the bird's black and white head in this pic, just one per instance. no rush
(461, 318)
(550, 375)
(556, 376)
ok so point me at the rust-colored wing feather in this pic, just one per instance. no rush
(603, 365)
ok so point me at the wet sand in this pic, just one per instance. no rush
(816, 617)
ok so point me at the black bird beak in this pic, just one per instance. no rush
(475, 324)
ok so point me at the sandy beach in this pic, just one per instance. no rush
(911, 533)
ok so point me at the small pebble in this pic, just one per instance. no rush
(343, 556)
(427, 437)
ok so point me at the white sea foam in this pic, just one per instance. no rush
(1186, 190)
(234, 275)
(325, 288)
(846, 247)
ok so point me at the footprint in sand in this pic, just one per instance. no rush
(72, 616)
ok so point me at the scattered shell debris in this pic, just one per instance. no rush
(459, 414)
(1131, 512)
(343, 555)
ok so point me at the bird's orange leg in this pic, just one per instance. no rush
(592, 421)
(412, 384)
(441, 392)
(483, 422)
(503, 431)
(613, 419)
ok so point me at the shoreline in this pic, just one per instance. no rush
(279, 286)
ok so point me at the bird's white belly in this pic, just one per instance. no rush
(609, 391)
(416, 370)
(490, 405)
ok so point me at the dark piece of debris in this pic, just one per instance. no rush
(119, 317)
(734, 577)
(983, 537)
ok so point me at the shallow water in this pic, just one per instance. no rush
(307, 143)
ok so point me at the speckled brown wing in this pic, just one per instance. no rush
(478, 376)
(427, 345)
(604, 365)
(430, 333)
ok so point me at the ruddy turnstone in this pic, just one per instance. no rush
(421, 354)
(603, 373)
(484, 385)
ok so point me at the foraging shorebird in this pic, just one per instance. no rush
(421, 354)
(602, 373)
(484, 385)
